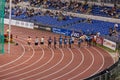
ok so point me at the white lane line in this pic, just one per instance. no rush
(19, 69)
(103, 62)
(26, 61)
(17, 64)
(39, 66)
(52, 67)
(81, 62)
(32, 69)
(109, 54)
(48, 68)
(86, 68)
(61, 68)
(15, 59)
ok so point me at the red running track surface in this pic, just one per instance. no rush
(43, 63)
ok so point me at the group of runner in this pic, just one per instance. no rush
(60, 41)
(64, 41)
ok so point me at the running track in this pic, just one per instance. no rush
(43, 63)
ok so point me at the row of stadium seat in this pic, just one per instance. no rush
(71, 23)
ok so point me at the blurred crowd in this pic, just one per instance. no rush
(72, 6)
(30, 12)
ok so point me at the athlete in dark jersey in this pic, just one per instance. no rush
(60, 42)
(65, 42)
(55, 42)
(49, 42)
(70, 42)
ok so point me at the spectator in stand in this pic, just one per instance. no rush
(110, 31)
(89, 20)
(116, 25)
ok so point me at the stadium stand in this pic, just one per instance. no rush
(77, 7)
(60, 20)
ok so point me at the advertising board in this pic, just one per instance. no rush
(109, 44)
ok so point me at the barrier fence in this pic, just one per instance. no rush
(111, 73)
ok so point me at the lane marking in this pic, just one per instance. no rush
(86, 68)
(28, 60)
(103, 62)
(46, 69)
(15, 59)
(81, 53)
(16, 65)
(61, 68)
(21, 68)
(32, 69)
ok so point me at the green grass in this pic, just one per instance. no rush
(107, 49)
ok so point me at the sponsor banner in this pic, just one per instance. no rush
(99, 40)
(20, 23)
(36, 26)
(62, 31)
(76, 34)
(66, 32)
(109, 44)
(44, 28)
